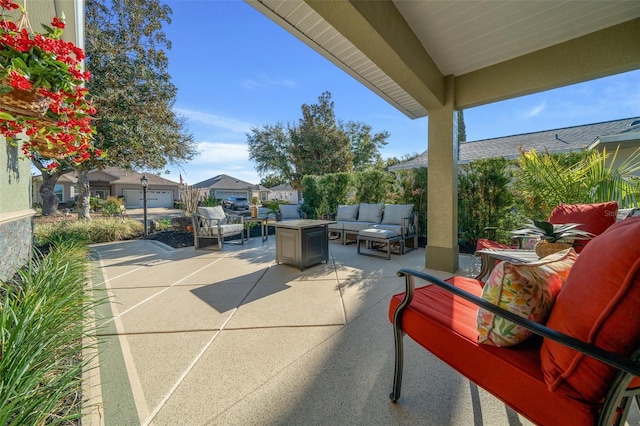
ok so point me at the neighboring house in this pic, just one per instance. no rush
(16, 214)
(284, 192)
(223, 186)
(117, 182)
(609, 134)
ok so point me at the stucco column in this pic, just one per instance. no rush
(442, 214)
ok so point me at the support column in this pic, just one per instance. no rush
(442, 212)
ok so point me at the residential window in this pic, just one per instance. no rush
(58, 190)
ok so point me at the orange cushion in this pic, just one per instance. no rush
(445, 325)
(594, 218)
(599, 305)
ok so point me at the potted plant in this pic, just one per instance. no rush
(553, 237)
(41, 89)
(274, 208)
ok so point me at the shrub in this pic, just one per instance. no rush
(485, 197)
(375, 186)
(413, 190)
(87, 232)
(112, 206)
(43, 322)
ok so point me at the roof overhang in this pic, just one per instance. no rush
(403, 49)
(622, 140)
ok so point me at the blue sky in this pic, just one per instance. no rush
(236, 69)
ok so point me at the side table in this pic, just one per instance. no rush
(262, 220)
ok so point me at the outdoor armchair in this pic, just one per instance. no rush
(580, 366)
(212, 223)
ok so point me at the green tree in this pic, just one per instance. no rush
(318, 144)
(364, 145)
(462, 128)
(132, 89)
(270, 181)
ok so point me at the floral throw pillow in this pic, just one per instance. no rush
(528, 290)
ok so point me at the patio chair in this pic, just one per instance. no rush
(585, 367)
(594, 218)
(211, 223)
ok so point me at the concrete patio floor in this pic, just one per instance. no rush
(195, 337)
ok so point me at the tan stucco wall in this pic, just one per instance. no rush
(16, 215)
(15, 184)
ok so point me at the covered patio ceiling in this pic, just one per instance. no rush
(403, 49)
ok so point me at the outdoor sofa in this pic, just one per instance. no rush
(396, 219)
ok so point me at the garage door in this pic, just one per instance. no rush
(224, 194)
(133, 198)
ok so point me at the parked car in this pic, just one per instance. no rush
(235, 203)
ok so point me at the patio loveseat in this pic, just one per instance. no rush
(582, 367)
(398, 220)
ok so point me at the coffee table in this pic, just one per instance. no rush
(488, 258)
(302, 242)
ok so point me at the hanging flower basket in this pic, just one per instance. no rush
(23, 102)
(41, 90)
(47, 149)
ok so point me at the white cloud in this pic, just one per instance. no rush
(221, 153)
(217, 121)
(536, 110)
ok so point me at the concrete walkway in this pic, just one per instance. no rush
(203, 337)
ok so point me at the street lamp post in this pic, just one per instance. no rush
(144, 181)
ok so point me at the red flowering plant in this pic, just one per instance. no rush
(43, 65)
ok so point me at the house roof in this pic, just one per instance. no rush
(573, 138)
(225, 182)
(128, 177)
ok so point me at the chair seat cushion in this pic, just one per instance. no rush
(396, 229)
(356, 226)
(231, 229)
(445, 325)
(378, 233)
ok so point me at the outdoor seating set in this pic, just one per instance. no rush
(380, 226)
(212, 223)
(556, 339)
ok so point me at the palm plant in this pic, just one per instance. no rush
(547, 180)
